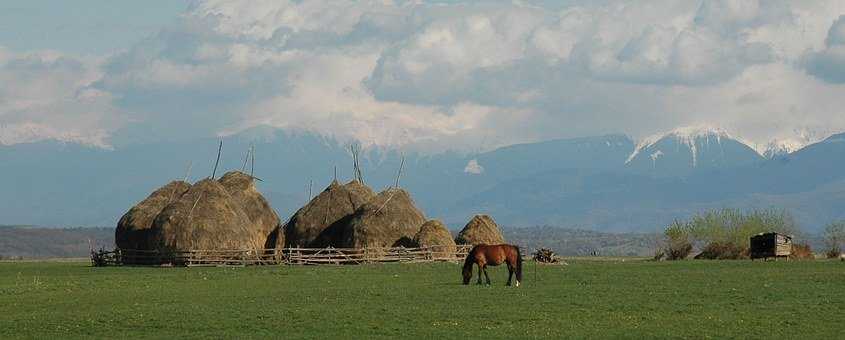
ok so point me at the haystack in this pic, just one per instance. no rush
(133, 229)
(435, 236)
(309, 227)
(390, 219)
(206, 217)
(264, 219)
(276, 240)
(480, 230)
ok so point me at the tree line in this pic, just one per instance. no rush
(725, 234)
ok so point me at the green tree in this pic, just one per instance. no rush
(729, 228)
(678, 245)
(735, 227)
(834, 237)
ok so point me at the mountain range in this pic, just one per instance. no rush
(605, 183)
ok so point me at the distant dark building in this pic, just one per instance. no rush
(767, 245)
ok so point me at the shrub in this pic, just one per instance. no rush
(722, 251)
(659, 254)
(834, 237)
(733, 226)
(802, 251)
(678, 245)
(679, 251)
(725, 233)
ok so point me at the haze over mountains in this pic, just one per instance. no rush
(607, 183)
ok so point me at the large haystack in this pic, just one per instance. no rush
(204, 218)
(389, 219)
(435, 236)
(480, 230)
(133, 229)
(309, 227)
(264, 219)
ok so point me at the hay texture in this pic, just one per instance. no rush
(276, 240)
(264, 219)
(390, 219)
(480, 230)
(133, 229)
(309, 227)
(435, 236)
(206, 217)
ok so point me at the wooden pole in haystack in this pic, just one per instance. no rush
(246, 159)
(191, 212)
(385, 203)
(356, 163)
(188, 171)
(252, 166)
(310, 185)
(219, 150)
(399, 175)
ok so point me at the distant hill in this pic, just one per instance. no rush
(32, 242)
(35, 242)
(576, 242)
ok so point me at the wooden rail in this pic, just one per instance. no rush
(289, 256)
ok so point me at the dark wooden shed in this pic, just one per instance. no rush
(767, 245)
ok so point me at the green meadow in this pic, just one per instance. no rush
(611, 298)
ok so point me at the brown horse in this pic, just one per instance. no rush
(493, 255)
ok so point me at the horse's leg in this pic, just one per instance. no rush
(479, 273)
(510, 273)
(486, 276)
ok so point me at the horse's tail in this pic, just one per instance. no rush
(518, 265)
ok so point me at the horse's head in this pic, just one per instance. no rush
(467, 273)
(470, 260)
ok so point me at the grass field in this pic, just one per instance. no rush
(586, 299)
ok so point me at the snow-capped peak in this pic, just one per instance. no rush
(780, 147)
(685, 135)
(797, 140)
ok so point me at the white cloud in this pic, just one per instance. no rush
(46, 95)
(447, 75)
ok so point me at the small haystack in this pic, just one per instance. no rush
(133, 229)
(206, 217)
(480, 230)
(309, 227)
(390, 219)
(434, 235)
(264, 219)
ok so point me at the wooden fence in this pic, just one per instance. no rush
(290, 256)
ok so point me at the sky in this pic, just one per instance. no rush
(426, 75)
